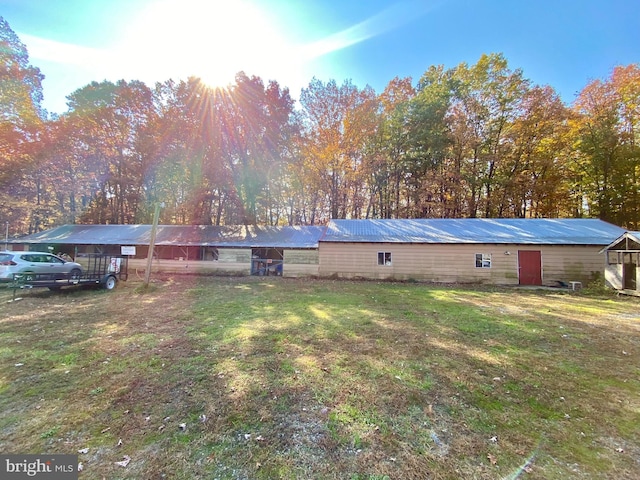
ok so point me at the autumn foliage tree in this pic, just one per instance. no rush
(337, 122)
(606, 128)
(480, 140)
(110, 121)
(475, 140)
(387, 152)
(21, 119)
(222, 152)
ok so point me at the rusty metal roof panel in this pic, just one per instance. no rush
(534, 231)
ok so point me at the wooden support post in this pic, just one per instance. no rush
(152, 242)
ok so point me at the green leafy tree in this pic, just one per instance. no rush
(110, 124)
(256, 128)
(607, 157)
(433, 178)
(386, 161)
(188, 172)
(487, 100)
(223, 153)
(534, 169)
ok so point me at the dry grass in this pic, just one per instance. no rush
(246, 378)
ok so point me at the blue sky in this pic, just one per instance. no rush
(562, 43)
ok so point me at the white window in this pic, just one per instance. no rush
(483, 260)
(384, 258)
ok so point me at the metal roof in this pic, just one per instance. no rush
(180, 235)
(534, 231)
(634, 236)
(436, 230)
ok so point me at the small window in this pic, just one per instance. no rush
(483, 260)
(384, 258)
(613, 257)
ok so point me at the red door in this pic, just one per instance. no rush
(529, 267)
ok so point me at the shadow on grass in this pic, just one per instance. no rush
(230, 378)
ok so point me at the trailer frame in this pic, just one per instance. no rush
(98, 269)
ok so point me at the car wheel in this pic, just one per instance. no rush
(75, 274)
(29, 276)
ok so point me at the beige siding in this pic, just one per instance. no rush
(613, 276)
(190, 266)
(614, 273)
(230, 261)
(301, 257)
(572, 263)
(300, 263)
(297, 270)
(297, 263)
(235, 255)
(456, 263)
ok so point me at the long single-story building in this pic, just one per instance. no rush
(470, 250)
(494, 251)
(621, 271)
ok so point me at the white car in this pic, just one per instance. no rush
(37, 266)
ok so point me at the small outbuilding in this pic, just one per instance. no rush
(551, 252)
(621, 270)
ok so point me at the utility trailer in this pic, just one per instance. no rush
(97, 269)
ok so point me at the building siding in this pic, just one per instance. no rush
(614, 273)
(235, 255)
(456, 263)
(613, 276)
(297, 263)
(301, 257)
(619, 256)
(301, 263)
(201, 267)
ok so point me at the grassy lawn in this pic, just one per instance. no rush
(265, 379)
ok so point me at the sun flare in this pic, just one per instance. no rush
(212, 40)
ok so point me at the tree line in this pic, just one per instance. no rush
(475, 140)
